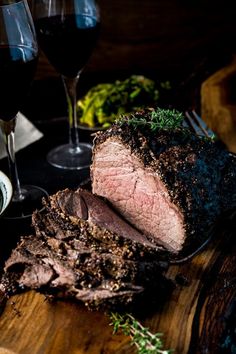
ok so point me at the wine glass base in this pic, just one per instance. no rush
(31, 201)
(71, 158)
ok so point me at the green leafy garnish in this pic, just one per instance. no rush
(154, 119)
(145, 341)
(104, 102)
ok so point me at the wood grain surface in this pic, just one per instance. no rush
(191, 317)
(218, 103)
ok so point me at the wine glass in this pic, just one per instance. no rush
(18, 61)
(67, 33)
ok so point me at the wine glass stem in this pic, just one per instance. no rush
(70, 85)
(8, 129)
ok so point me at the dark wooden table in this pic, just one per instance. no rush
(197, 316)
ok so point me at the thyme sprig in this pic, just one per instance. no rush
(155, 119)
(145, 341)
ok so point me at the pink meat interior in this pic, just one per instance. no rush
(137, 193)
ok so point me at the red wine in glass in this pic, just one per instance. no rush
(68, 43)
(18, 61)
(67, 33)
(17, 67)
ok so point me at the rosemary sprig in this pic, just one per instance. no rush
(145, 341)
(155, 119)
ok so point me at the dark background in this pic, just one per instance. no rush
(183, 41)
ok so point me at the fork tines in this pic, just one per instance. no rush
(195, 122)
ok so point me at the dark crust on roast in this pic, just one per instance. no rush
(183, 159)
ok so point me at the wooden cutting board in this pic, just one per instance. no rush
(193, 317)
(218, 103)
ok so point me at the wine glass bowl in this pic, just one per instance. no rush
(67, 33)
(18, 62)
(19, 55)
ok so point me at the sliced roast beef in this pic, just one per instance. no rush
(82, 213)
(172, 185)
(73, 255)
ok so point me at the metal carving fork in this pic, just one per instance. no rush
(197, 124)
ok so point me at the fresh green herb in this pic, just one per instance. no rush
(104, 102)
(145, 341)
(155, 119)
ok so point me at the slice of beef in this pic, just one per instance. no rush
(80, 215)
(171, 185)
(72, 254)
(97, 279)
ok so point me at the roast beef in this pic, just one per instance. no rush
(171, 184)
(155, 195)
(82, 249)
